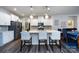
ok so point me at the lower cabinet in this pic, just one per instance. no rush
(6, 37)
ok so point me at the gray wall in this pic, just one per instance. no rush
(62, 21)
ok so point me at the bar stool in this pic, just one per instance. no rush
(42, 39)
(25, 38)
(55, 38)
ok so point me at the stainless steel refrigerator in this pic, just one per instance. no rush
(17, 28)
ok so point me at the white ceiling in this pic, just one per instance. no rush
(41, 10)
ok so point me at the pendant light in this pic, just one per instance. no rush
(31, 8)
(31, 16)
(46, 15)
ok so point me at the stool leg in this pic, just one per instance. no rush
(49, 40)
(39, 45)
(30, 43)
(56, 42)
(24, 42)
(60, 45)
(46, 44)
(52, 46)
(21, 45)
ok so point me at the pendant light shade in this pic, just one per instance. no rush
(31, 16)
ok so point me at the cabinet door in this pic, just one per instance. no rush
(48, 22)
(34, 22)
(45, 22)
(4, 19)
(8, 36)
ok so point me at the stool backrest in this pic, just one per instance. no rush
(42, 35)
(25, 36)
(55, 35)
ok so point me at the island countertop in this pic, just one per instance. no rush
(37, 31)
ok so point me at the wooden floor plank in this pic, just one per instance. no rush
(14, 47)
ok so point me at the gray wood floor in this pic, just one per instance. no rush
(14, 47)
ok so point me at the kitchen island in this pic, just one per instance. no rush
(35, 36)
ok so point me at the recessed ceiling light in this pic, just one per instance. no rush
(48, 8)
(15, 9)
(31, 8)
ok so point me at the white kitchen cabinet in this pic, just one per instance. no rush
(14, 17)
(6, 37)
(4, 18)
(41, 20)
(34, 22)
(45, 22)
(48, 22)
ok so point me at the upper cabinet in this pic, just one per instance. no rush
(47, 22)
(34, 22)
(14, 17)
(4, 18)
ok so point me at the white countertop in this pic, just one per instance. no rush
(6, 31)
(36, 31)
